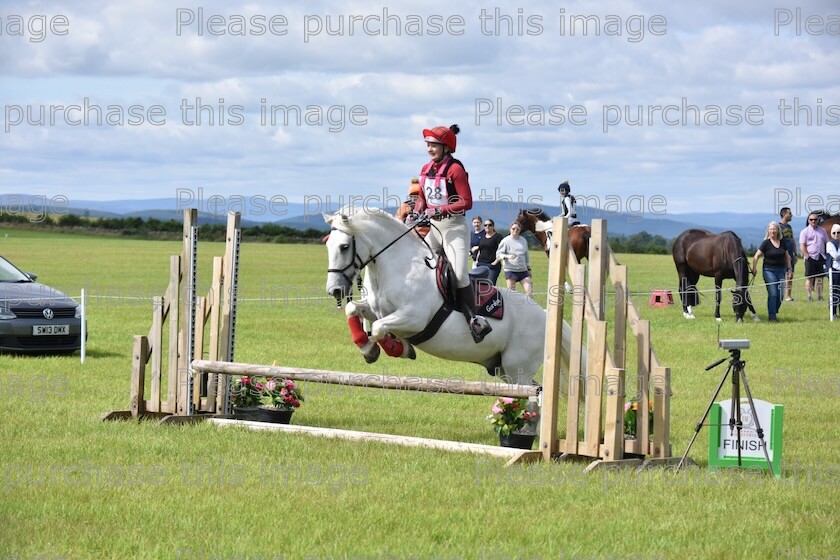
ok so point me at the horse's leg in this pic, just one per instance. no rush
(718, 282)
(393, 345)
(355, 311)
(687, 289)
(755, 316)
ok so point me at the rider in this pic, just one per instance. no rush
(445, 196)
(567, 204)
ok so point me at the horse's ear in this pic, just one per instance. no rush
(328, 218)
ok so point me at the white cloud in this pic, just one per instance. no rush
(129, 53)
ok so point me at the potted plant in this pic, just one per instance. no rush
(631, 412)
(246, 395)
(283, 398)
(508, 416)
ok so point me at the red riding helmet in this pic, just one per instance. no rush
(442, 135)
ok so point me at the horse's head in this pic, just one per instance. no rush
(344, 260)
(741, 293)
(357, 239)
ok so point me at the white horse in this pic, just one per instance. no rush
(403, 297)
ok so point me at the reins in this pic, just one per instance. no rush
(358, 264)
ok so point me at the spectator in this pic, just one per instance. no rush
(812, 241)
(776, 263)
(513, 250)
(487, 247)
(477, 234)
(406, 209)
(832, 248)
(787, 234)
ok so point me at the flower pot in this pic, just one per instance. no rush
(250, 413)
(275, 415)
(518, 441)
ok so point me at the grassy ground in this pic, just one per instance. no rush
(74, 487)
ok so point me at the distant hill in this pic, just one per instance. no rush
(749, 226)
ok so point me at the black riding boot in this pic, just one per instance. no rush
(479, 327)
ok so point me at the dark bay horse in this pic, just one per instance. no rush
(698, 252)
(826, 220)
(578, 235)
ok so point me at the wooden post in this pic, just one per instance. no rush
(614, 418)
(558, 259)
(661, 412)
(643, 392)
(596, 356)
(228, 304)
(174, 315)
(214, 352)
(140, 355)
(576, 382)
(198, 350)
(156, 337)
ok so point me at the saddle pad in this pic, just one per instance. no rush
(491, 304)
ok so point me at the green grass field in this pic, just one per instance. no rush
(75, 487)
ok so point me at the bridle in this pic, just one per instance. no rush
(358, 264)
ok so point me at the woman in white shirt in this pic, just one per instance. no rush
(513, 251)
(832, 248)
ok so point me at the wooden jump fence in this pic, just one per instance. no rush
(595, 393)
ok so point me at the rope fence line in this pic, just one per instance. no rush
(280, 297)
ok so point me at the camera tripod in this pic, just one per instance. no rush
(736, 369)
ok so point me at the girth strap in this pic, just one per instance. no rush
(433, 326)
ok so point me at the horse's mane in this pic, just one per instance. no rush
(538, 213)
(378, 215)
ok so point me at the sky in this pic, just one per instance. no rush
(713, 106)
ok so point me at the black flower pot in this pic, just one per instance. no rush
(517, 441)
(250, 413)
(275, 415)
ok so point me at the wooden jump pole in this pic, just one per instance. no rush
(428, 385)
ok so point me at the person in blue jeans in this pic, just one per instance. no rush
(776, 265)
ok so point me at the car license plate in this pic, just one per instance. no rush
(44, 330)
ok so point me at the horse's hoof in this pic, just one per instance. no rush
(373, 355)
(412, 355)
(756, 318)
(738, 320)
(688, 315)
(718, 319)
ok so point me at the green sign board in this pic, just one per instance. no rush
(723, 446)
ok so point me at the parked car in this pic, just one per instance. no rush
(35, 318)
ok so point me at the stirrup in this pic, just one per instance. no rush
(479, 328)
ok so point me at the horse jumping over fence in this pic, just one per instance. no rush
(404, 298)
(538, 222)
(698, 252)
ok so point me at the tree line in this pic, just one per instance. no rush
(153, 228)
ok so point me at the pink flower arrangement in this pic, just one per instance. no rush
(279, 393)
(283, 393)
(247, 391)
(509, 414)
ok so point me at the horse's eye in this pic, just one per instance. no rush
(343, 248)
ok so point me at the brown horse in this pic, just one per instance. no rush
(826, 220)
(699, 252)
(578, 235)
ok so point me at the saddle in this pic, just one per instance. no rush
(490, 303)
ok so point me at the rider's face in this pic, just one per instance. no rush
(435, 150)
